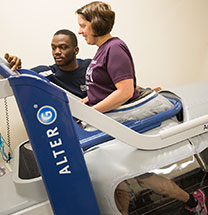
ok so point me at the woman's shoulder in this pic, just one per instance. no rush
(114, 45)
(116, 42)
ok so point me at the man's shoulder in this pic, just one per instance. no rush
(45, 70)
(83, 64)
(84, 61)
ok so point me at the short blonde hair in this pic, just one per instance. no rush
(100, 15)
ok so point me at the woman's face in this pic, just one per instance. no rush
(86, 30)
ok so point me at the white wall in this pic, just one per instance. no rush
(14, 126)
(168, 38)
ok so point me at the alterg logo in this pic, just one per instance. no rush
(46, 115)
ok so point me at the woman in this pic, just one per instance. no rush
(111, 82)
(110, 77)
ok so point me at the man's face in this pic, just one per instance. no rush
(63, 50)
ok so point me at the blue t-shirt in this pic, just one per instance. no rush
(112, 63)
(72, 81)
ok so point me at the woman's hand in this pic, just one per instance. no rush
(84, 100)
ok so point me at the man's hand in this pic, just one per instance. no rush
(13, 61)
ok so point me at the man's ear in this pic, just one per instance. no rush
(76, 50)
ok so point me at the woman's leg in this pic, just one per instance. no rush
(164, 186)
(122, 197)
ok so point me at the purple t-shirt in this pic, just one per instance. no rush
(111, 64)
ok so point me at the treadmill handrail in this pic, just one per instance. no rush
(163, 139)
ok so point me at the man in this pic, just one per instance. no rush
(68, 72)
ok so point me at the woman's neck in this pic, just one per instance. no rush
(103, 39)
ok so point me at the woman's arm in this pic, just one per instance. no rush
(124, 91)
